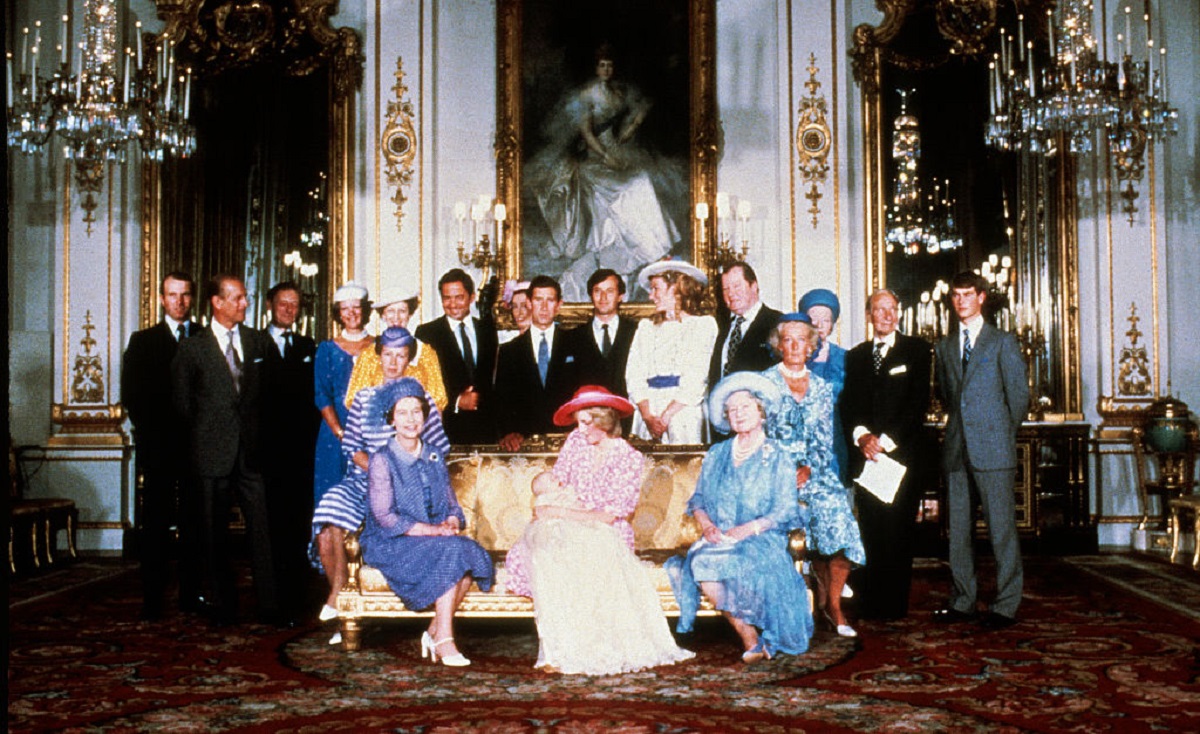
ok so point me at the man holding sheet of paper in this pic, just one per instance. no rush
(883, 411)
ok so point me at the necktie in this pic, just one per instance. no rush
(234, 362)
(287, 343)
(877, 355)
(966, 349)
(543, 358)
(468, 356)
(735, 340)
(181, 330)
(605, 341)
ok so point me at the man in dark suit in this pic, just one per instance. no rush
(887, 394)
(601, 345)
(536, 371)
(217, 388)
(742, 338)
(288, 444)
(161, 447)
(466, 348)
(984, 386)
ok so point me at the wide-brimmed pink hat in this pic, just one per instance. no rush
(591, 396)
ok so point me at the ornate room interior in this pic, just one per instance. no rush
(849, 145)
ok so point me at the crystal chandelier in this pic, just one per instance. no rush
(97, 99)
(917, 224)
(1076, 92)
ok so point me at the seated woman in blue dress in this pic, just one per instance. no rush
(745, 502)
(343, 507)
(412, 531)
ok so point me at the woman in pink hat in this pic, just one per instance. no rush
(581, 540)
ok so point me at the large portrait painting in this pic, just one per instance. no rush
(605, 135)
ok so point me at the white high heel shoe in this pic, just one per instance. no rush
(427, 647)
(457, 660)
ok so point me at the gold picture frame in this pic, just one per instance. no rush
(684, 25)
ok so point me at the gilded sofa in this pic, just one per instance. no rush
(493, 488)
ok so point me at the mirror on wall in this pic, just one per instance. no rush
(266, 193)
(940, 200)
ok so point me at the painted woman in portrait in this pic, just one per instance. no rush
(601, 194)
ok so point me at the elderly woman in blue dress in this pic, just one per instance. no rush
(802, 424)
(828, 361)
(745, 503)
(412, 530)
(343, 507)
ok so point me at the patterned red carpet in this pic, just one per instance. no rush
(1106, 644)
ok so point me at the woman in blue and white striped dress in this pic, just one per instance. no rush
(343, 507)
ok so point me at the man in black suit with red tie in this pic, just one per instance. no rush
(742, 338)
(161, 446)
(887, 392)
(217, 388)
(601, 345)
(466, 349)
(289, 442)
(536, 371)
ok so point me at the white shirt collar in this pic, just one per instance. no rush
(173, 325)
(888, 341)
(974, 326)
(613, 325)
(752, 312)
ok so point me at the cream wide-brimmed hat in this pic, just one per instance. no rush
(752, 382)
(665, 266)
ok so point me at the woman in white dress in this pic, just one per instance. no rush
(667, 371)
(596, 607)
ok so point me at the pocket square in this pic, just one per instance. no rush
(570, 359)
(899, 369)
(308, 359)
(256, 360)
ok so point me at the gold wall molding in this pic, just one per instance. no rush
(813, 140)
(398, 143)
(1133, 367)
(87, 381)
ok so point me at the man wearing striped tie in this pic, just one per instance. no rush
(984, 387)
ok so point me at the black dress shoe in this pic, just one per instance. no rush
(995, 621)
(950, 615)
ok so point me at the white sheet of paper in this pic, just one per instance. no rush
(882, 477)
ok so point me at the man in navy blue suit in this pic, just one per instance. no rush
(161, 447)
(536, 371)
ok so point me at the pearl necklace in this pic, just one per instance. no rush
(793, 374)
(740, 454)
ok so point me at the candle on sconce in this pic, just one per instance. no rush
(187, 93)
(702, 216)
(1021, 35)
(460, 214)
(1128, 33)
(125, 94)
(24, 50)
(1050, 33)
(137, 33)
(1032, 85)
(8, 77)
(66, 39)
(500, 213)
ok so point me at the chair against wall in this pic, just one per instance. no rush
(1163, 472)
(34, 524)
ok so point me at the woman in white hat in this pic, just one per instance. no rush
(580, 542)
(396, 311)
(331, 374)
(667, 371)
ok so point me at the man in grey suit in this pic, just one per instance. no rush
(982, 378)
(216, 377)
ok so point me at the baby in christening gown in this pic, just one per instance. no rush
(597, 612)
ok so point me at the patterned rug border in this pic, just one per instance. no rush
(1095, 566)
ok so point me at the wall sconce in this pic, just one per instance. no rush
(483, 256)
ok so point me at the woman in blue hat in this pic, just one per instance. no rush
(828, 361)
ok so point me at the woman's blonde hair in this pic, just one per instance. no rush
(606, 419)
(688, 292)
(810, 336)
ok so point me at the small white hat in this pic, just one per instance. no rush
(389, 297)
(350, 292)
(674, 264)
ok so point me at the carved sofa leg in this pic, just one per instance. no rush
(351, 634)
